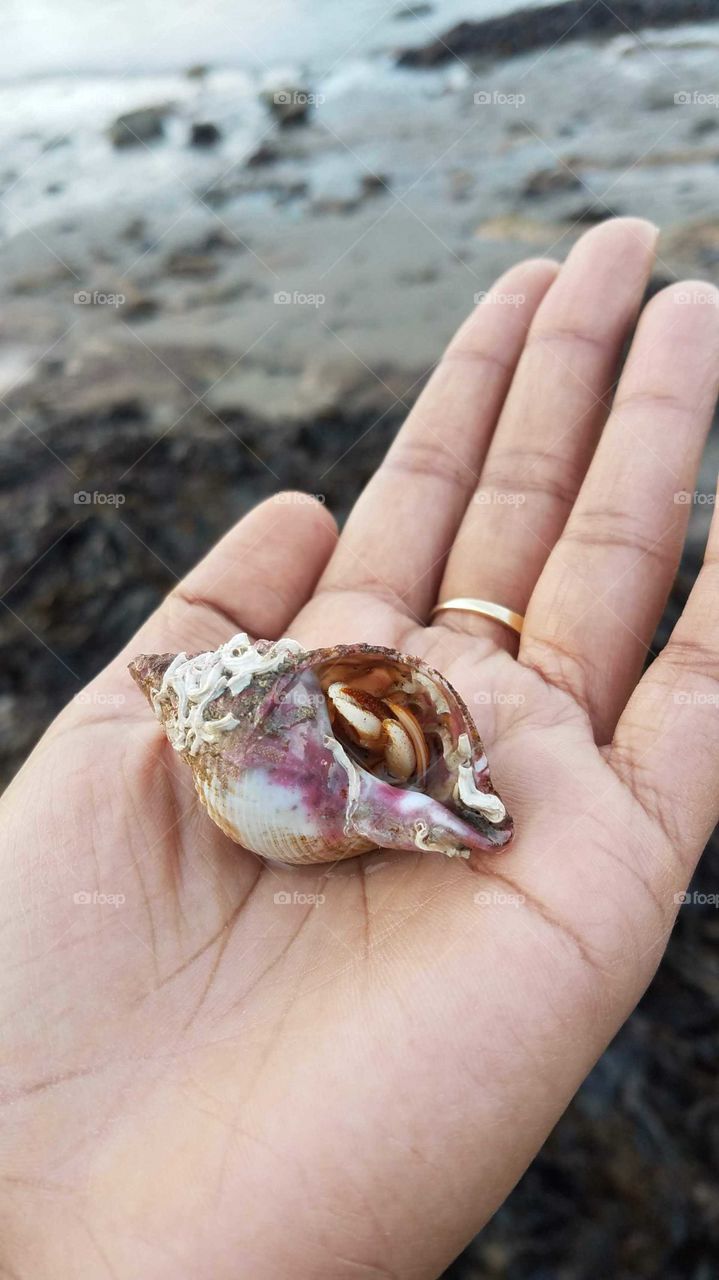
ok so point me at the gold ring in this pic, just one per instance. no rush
(487, 609)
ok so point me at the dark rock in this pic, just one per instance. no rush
(418, 10)
(289, 104)
(656, 284)
(140, 308)
(136, 229)
(219, 239)
(282, 191)
(547, 182)
(702, 127)
(520, 129)
(204, 134)
(374, 184)
(588, 215)
(527, 29)
(265, 154)
(137, 127)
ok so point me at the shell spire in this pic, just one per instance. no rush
(314, 756)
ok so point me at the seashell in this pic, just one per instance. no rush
(314, 756)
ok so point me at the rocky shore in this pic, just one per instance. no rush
(216, 284)
(541, 28)
(244, 285)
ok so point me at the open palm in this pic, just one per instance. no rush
(209, 1080)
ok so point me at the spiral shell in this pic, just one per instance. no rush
(314, 756)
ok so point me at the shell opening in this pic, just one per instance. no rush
(386, 736)
(400, 725)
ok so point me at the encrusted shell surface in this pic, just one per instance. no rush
(254, 723)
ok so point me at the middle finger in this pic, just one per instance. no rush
(396, 539)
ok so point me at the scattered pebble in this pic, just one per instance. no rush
(289, 103)
(204, 134)
(550, 181)
(137, 127)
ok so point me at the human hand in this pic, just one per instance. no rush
(202, 1081)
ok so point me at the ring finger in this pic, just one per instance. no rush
(549, 425)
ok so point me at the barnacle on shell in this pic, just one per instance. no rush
(313, 756)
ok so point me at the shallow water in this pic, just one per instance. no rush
(41, 37)
(70, 70)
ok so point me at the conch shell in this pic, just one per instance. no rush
(313, 756)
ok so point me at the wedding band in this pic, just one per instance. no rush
(486, 608)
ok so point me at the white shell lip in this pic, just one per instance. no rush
(252, 720)
(484, 802)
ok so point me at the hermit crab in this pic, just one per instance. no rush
(316, 755)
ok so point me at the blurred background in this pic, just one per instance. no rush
(234, 240)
